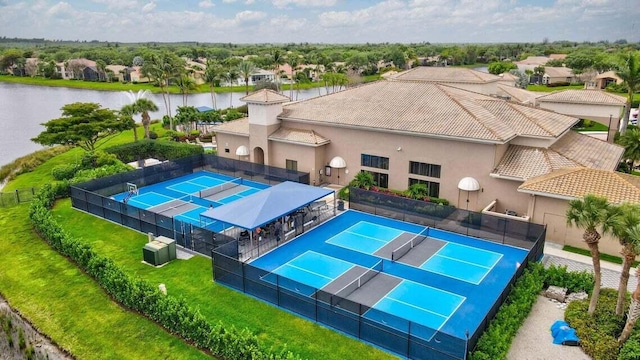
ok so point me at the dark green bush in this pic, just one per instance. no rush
(153, 135)
(97, 159)
(574, 281)
(106, 170)
(172, 313)
(162, 150)
(631, 348)
(496, 340)
(598, 333)
(64, 171)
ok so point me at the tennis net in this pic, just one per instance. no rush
(220, 188)
(173, 204)
(403, 249)
(357, 283)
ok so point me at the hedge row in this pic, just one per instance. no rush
(172, 313)
(162, 150)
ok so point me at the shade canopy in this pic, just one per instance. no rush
(204, 109)
(338, 163)
(469, 184)
(242, 151)
(267, 205)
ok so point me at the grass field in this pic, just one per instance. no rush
(67, 305)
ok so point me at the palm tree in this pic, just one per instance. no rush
(277, 59)
(628, 218)
(589, 214)
(631, 142)
(140, 104)
(128, 111)
(630, 75)
(363, 180)
(163, 68)
(634, 307)
(213, 75)
(230, 77)
(185, 84)
(245, 69)
(293, 60)
(418, 191)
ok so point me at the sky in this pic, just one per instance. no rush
(322, 21)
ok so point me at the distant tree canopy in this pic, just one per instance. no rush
(83, 125)
(501, 67)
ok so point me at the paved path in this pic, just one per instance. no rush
(553, 254)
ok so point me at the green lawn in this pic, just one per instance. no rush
(544, 88)
(192, 279)
(83, 300)
(69, 306)
(594, 126)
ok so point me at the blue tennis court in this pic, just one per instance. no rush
(438, 281)
(186, 197)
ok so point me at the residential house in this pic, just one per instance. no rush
(136, 76)
(256, 76)
(413, 129)
(118, 73)
(601, 81)
(74, 69)
(531, 62)
(554, 75)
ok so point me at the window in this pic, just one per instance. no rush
(424, 169)
(380, 179)
(433, 187)
(374, 161)
(226, 150)
(292, 165)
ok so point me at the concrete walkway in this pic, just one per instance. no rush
(553, 254)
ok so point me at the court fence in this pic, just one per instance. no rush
(524, 235)
(18, 196)
(95, 197)
(404, 337)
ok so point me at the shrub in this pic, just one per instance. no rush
(162, 150)
(631, 348)
(574, 281)
(597, 333)
(343, 194)
(495, 341)
(153, 135)
(64, 171)
(97, 159)
(560, 83)
(172, 313)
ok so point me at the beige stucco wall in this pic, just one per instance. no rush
(457, 160)
(599, 113)
(231, 142)
(552, 212)
(306, 156)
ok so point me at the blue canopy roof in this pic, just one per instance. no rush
(204, 108)
(267, 205)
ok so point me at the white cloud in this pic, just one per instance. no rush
(206, 4)
(303, 3)
(62, 9)
(149, 7)
(249, 16)
(118, 4)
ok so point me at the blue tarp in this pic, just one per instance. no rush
(563, 334)
(267, 205)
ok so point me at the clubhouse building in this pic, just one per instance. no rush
(447, 128)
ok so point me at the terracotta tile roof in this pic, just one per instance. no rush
(301, 136)
(558, 56)
(518, 95)
(534, 60)
(429, 110)
(573, 150)
(577, 182)
(265, 96)
(583, 96)
(589, 151)
(558, 71)
(234, 127)
(445, 75)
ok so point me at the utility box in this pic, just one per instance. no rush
(155, 253)
(171, 246)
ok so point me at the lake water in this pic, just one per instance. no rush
(23, 108)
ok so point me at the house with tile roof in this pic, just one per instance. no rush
(554, 75)
(420, 126)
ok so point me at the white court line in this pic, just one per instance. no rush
(417, 307)
(465, 262)
(366, 237)
(314, 252)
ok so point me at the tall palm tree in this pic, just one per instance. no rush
(631, 142)
(212, 75)
(628, 218)
(293, 60)
(634, 307)
(277, 59)
(230, 77)
(630, 75)
(245, 69)
(163, 68)
(186, 84)
(128, 111)
(590, 213)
